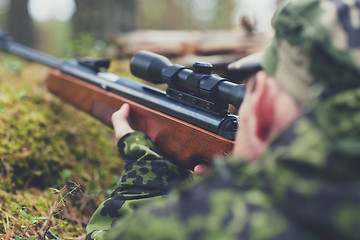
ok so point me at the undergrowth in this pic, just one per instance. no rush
(46, 143)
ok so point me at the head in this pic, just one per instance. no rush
(315, 54)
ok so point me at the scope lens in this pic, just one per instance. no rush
(148, 66)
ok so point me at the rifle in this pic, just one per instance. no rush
(189, 122)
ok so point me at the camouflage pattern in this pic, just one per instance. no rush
(146, 176)
(305, 186)
(316, 43)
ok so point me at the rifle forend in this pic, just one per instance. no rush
(189, 122)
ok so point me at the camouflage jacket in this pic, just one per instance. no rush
(306, 186)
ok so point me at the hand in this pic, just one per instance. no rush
(120, 121)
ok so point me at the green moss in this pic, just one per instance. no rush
(41, 136)
(45, 142)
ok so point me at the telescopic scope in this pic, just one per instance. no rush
(158, 69)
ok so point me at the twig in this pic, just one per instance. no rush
(44, 235)
(45, 228)
(46, 223)
(24, 153)
(52, 235)
(7, 234)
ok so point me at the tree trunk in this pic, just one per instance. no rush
(19, 23)
(104, 18)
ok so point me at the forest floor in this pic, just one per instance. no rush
(57, 164)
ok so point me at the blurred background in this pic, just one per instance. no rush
(51, 25)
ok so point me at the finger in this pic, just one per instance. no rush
(121, 114)
(202, 169)
(125, 110)
(120, 122)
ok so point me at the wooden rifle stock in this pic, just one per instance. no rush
(181, 142)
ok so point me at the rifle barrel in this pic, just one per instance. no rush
(8, 45)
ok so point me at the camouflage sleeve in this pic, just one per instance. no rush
(215, 208)
(146, 176)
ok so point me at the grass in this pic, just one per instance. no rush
(46, 143)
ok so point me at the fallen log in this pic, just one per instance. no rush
(187, 43)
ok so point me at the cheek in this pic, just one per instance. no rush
(245, 145)
(244, 120)
(244, 111)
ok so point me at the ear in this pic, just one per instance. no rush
(263, 103)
